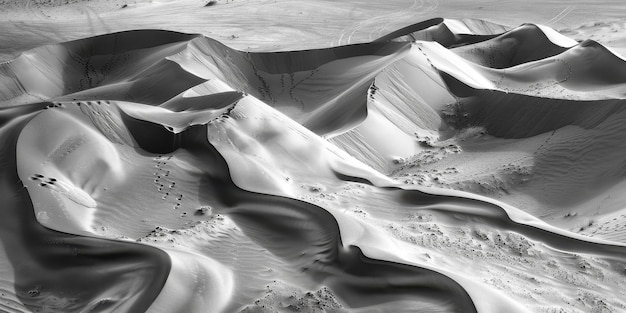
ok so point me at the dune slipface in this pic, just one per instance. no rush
(165, 172)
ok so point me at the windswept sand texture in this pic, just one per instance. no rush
(311, 156)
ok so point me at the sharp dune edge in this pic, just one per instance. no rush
(449, 166)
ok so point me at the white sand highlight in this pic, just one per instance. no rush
(195, 284)
(61, 190)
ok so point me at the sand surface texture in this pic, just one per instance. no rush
(312, 156)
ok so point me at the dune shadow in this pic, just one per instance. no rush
(68, 273)
(308, 237)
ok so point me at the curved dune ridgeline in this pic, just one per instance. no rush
(156, 171)
(123, 59)
(448, 33)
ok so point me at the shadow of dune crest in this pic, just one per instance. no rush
(308, 236)
(447, 32)
(324, 89)
(65, 68)
(68, 273)
(510, 115)
(528, 42)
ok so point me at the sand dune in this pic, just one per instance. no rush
(90, 68)
(55, 271)
(521, 45)
(325, 89)
(447, 32)
(166, 172)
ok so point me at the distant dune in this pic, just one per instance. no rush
(453, 165)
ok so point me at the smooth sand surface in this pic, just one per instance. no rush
(298, 156)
